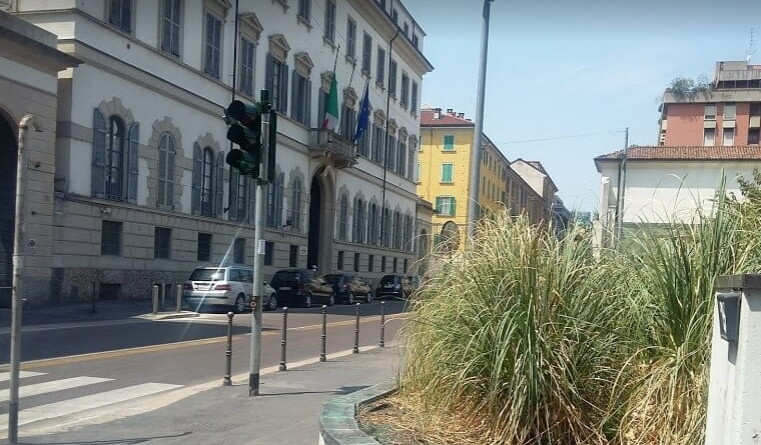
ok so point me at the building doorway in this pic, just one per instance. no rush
(8, 155)
(315, 200)
(321, 220)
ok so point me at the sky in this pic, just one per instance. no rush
(577, 73)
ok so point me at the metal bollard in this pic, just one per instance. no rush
(283, 341)
(355, 350)
(229, 352)
(382, 343)
(155, 298)
(324, 332)
(179, 298)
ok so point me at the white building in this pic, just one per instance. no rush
(659, 185)
(142, 191)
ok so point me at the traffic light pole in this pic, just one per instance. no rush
(256, 316)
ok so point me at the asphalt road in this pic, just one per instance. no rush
(185, 352)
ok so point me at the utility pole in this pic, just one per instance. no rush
(18, 281)
(475, 154)
(622, 189)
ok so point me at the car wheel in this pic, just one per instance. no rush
(351, 299)
(240, 304)
(271, 302)
(369, 297)
(308, 301)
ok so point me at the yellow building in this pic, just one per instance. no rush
(444, 167)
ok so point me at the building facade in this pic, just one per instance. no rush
(444, 171)
(708, 137)
(142, 193)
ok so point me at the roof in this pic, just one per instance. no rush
(686, 153)
(445, 119)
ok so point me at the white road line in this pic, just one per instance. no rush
(52, 386)
(5, 376)
(71, 406)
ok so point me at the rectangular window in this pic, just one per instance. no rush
(111, 238)
(448, 142)
(340, 261)
(447, 172)
(239, 251)
(330, 20)
(405, 96)
(709, 137)
(120, 15)
(392, 77)
(383, 264)
(730, 110)
(300, 102)
(351, 38)
(269, 252)
(415, 40)
(755, 109)
(170, 27)
(162, 240)
(304, 10)
(728, 137)
(356, 262)
(753, 136)
(247, 58)
(370, 263)
(213, 46)
(710, 112)
(203, 247)
(380, 68)
(367, 53)
(293, 256)
(445, 205)
(396, 260)
(405, 266)
(277, 79)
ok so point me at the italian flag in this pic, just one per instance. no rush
(331, 107)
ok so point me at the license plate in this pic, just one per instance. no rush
(203, 287)
(284, 288)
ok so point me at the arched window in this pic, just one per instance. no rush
(207, 181)
(166, 171)
(343, 217)
(372, 225)
(296, 206)
(114, 158)
(115, 151)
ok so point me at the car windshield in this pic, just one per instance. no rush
(389, 279)
(207, 275)
(286, 275)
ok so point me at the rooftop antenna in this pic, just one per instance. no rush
(751, 48)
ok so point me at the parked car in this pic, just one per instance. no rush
(302, 287)
(396, 286)
(231, 286)
(349, 288)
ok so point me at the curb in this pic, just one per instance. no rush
(338, 425)
(168, 315)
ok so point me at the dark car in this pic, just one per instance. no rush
(395, 286)
(302, 287)
(349, 288)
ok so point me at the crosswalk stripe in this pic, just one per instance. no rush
(52, 386)
(71, 406)
(5, 376)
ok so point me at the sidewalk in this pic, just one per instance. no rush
(285, 413)
(83, 312)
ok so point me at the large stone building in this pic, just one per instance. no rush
(142, 193)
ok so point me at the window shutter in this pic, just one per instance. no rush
(453, 207)
(268, 74)
(296, 106)
(284, 89)
(219, 191)
(308, 105)
(196, 186)
(133, 144)
(232, 203)
(98, 155)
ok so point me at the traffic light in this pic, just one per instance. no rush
(245, 130)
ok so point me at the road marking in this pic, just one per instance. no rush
(35, 364)
(52, 386)
(98, 400)
(5, 376)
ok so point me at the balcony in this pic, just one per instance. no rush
(331, 148)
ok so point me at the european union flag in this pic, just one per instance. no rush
(364, 115)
